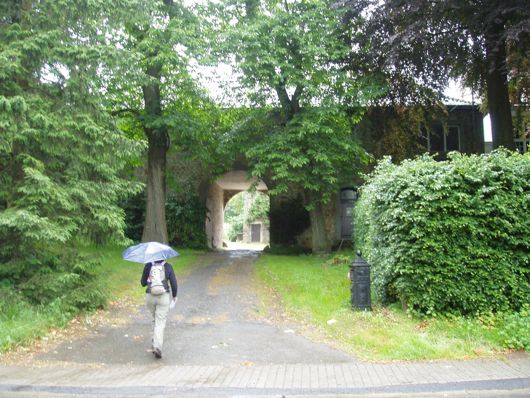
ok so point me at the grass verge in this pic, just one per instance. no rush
(313, 291)
(21, 323)
(122, 278)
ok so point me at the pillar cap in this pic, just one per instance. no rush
(359, 261)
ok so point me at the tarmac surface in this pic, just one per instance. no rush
(219, 344)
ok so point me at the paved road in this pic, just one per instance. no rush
(215, 323)
(217, 345)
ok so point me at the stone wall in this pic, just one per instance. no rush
(264, 232)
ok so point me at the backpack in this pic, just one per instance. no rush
(157, 276)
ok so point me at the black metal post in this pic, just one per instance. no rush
(360, 284)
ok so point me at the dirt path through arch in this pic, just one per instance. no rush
(215, 322)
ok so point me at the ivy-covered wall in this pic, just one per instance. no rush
(401, 132)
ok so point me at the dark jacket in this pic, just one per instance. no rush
(170, 276)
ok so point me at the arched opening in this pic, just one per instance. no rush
(219, 193)
(246, 221)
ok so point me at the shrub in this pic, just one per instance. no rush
(514, 329)
(235, 229)
(63, 279)
(185, 215)
(451, 236)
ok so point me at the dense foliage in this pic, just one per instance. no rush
(394, 130)
(60, 153)
(312, 154)
(63, 280)
(45, 291)
(185, 221)
(259, 209)
(449, 237)
(234, 216)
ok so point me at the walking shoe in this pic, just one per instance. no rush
(157, 352)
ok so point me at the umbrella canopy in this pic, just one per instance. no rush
(148, 252)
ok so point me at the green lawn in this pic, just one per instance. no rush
(123, 277)
(313, 291)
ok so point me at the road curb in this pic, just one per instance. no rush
(353, 379)
(518, 384)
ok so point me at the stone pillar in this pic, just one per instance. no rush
(215, 217)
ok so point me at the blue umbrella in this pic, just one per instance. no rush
(148, 252)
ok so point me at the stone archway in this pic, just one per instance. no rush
(219, 193)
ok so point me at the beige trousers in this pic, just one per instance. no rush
(159, 307)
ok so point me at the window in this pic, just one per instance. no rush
(452, 139)
(440, 141)
(521, 144)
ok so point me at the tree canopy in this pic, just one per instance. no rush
(155, 93)
(420, 44)
(113, 83)
(304, 141)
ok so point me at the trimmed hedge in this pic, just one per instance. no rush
(451, 236)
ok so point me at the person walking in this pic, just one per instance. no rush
(161, 294)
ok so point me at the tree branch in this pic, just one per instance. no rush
(296, 98)
(285, 101)
(117, 112)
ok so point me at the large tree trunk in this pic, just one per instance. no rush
(319, 236)
(155, 227)
(497, 88)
